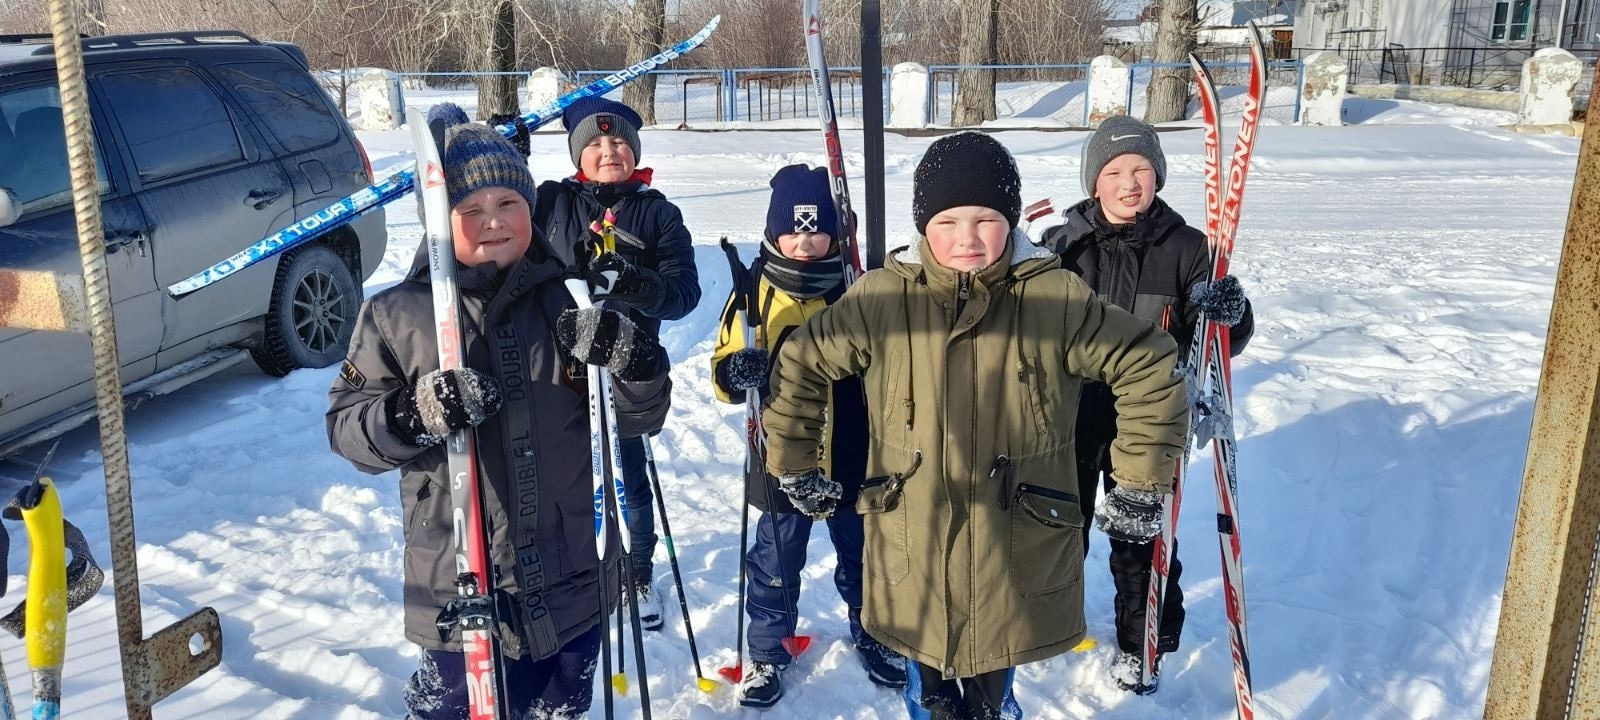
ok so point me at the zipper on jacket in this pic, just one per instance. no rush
(963, 291)
(1002, 467)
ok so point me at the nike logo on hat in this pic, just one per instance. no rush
(1116, 138)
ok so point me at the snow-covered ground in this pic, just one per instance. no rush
(1401, 276)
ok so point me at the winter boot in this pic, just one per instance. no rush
(762, 686)
(648, 604)
(1125, 672)
(885, 667)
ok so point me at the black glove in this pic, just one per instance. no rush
(1222, 301)
(442, 402)
(614, 278)
(812, 492)
(745, 369)
(518, 140)
(595, 336)
(1130, 515)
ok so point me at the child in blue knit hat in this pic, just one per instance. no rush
(641, 262)
(797, 275)
(522, 394)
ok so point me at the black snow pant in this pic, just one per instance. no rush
(1130, 572)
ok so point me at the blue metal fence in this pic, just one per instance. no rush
(1050, 94)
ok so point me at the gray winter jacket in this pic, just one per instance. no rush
(533, 456)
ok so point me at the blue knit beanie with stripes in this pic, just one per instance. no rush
(476, 156)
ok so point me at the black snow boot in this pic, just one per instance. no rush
(885, 667)
(762, 686)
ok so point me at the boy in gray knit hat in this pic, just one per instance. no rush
(608, 224)
(1138, 253)
(521, 392)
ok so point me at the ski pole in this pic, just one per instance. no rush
(706, 685)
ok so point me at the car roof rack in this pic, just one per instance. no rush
(189, 37)
(29, 38)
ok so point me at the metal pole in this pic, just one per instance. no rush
(1537, 673)
(1561, 26)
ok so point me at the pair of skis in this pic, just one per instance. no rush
(1209, 378)
(384, 191)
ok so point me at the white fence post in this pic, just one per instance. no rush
(1549, 80)
(380, 100)
(908, 96)
(1108, 89)
(1322, 89)
(544, 86)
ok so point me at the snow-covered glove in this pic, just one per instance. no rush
(596, 336)
(614, 278)
(442, 402)
(1130, 515)
(519, 138)
(1222, 301)
(812, 492)
(745, 369)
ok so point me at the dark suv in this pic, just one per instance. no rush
(206, 142)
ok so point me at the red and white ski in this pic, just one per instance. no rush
(849, 254)
(1210, 380)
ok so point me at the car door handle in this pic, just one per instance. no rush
(116, 241)
(261, 198)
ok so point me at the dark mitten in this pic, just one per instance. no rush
(596, 336)
(745, 369)
(614, 278)
(518, 140)
(1222, 301)
(1130, 515)
(812, 492)
(442, 402)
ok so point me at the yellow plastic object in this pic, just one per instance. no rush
(620, 682)
(46, 614)
(1089, 643)
(707, 685)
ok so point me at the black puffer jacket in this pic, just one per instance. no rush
(1146, 267)
(567, 207)
(533, 456)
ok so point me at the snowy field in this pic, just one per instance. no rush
(1401, 275)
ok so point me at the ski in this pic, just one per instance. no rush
(872, 127)
(849, 254)
(473, 611)
(605, 468)
(384, 191)
(1209, 374)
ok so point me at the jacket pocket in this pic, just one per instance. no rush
(886, 552)
(1030, 374)
(1046, 540)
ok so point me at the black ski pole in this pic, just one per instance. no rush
(706, 685)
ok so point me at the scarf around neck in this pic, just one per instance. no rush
(802, 279)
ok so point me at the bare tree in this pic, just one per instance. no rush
(648, 31)
(980, 25)
(1168, 96)
(497, 94)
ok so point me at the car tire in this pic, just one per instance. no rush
(312, 314)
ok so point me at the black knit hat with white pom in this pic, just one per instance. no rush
(968, 168)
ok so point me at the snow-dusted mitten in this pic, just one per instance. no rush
(614, 278)
(745, 369)
(1130, 515)
(812, 492)
(442, 402)
(1223, 301)
(596, 336)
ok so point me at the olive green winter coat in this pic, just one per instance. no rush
(974, 542)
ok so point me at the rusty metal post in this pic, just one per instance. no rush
(1537, 673)
(152, 668)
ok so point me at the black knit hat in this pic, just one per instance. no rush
(967, 168)
(476, 156)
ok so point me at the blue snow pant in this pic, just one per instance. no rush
(774, 587)
(988, 696)
(561, 685)
(641, 520)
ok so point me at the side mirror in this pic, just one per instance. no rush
(9, 207)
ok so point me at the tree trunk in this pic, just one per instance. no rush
(980, 24)
(649, 30)
(497, 94)
(1168, 96)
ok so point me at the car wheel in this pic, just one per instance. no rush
(315, 299)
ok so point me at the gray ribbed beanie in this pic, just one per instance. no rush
(1119, 135)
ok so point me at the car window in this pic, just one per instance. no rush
(286, 100)
(173, 122)
(33, 150)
